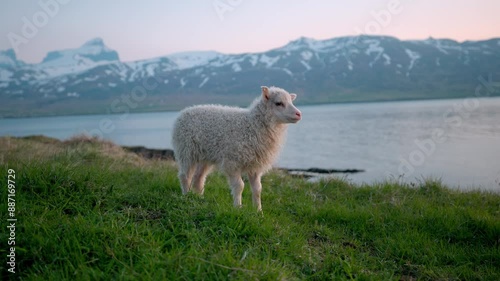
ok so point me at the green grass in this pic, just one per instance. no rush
(87, 210)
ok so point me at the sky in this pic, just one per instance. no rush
(153, 28)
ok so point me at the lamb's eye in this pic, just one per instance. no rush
(278, 103)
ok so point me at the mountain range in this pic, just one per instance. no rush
(93, 79)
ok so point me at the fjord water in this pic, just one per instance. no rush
(457, 141)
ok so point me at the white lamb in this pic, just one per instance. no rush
(236, 140)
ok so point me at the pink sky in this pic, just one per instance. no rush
(139, 30)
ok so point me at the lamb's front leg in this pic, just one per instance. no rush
(237, 186)
(256, 189)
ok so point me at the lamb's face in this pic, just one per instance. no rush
(280, 102)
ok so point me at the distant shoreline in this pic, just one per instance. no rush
(168, 155)
(145, 110)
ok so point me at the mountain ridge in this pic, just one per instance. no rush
(351, 68)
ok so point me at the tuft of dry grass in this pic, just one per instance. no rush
(103, 147)
(27, 149)
(36, 148)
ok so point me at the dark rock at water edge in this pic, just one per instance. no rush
(168, 154)
(326, 171)
(149, 153)
(318, 172)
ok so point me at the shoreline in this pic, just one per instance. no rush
(304, 103)
(168, 155)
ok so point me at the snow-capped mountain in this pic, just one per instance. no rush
(89, 55)
(8, 60)
(338, 69)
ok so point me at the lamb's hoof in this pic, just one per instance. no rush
(200, 193)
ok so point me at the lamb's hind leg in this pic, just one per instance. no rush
(237, 186)
(185, 175)
(254, 179)
(200, 175)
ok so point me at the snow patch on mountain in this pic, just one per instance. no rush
(186, 60)
(236, 67)
(254, 59)
(150, 70)
(306, 65)
(306, 55)
(81, 65)
(269, 61)
(198, 71)
(119, 69)
(204, 82)
(146, 68)
(441, 49)
(91, 78)
(227, 60)
(287, 71)
(374, 47)
(183, 82)
(350, 65)
(414, 56)
(387, 59)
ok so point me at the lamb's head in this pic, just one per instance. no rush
(279, 103)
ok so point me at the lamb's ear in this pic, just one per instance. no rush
(293, 96)
(265, 92)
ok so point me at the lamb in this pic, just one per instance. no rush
(236, 140)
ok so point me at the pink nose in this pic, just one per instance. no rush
(298, 114)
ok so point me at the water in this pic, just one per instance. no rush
(457, 141)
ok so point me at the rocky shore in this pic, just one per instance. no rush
(149, 153)
(168, 154)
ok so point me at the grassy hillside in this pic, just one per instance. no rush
(87, 210)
